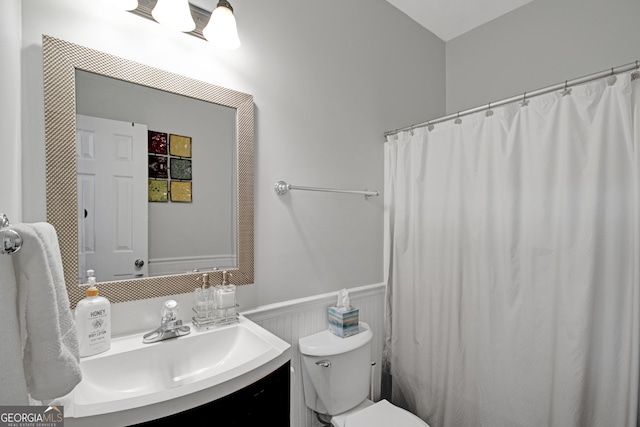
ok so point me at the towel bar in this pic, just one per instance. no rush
(282, 187)
(11, 239)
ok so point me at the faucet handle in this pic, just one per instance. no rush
(169, 311)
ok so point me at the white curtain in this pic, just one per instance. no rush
(512, 261)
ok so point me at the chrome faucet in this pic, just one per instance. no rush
(170, 326)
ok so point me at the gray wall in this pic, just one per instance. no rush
(328, 78)
(540, 44)
(10, 143)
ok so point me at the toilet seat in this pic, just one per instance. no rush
(381, 414)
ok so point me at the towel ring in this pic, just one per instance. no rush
(11, 239)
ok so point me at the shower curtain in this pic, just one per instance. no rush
(512, 263)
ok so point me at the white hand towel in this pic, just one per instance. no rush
(51, 361)
(13, 386)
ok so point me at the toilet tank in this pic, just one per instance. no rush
(336, 372)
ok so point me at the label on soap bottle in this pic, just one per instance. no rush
(94, 327)
(97, 327)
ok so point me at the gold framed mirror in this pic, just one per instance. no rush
(61, 60)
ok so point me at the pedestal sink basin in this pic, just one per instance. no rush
(134, 375)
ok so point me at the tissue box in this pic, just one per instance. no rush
(343, 323)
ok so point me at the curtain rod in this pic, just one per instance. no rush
(567, 84)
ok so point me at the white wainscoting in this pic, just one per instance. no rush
(291, 320)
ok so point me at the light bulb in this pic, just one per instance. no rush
(221, 29)
(175, 14)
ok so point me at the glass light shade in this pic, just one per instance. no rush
(126, 4)
(221, 29)
(175, 14)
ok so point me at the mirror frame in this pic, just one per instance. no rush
(61, 59)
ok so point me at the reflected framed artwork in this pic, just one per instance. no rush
(158, 143)
(158, 190)
(158, 167)
(180, 145)
(181, 191)
(180, 168)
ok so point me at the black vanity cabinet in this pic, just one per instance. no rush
(263, 403)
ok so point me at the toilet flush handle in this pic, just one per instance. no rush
(324, 363)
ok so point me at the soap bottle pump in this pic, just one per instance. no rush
(93, 320)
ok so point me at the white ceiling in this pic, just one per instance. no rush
(448, 19)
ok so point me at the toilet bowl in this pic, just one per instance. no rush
(336, 376)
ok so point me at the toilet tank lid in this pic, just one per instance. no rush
(325, 343)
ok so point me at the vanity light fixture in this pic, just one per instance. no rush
(218, 27)
(175, 14)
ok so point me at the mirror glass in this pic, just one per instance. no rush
(166, 141)
(200, 216)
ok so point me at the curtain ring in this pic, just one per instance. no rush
(612, 78)
(458, 121)
(489, 112)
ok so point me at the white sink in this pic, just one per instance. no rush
(133, 375)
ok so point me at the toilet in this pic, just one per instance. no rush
(336, 375)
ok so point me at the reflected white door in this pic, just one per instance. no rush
(112, 198)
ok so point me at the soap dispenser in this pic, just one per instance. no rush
(226, 297)
(93, 320)
(204, 296)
